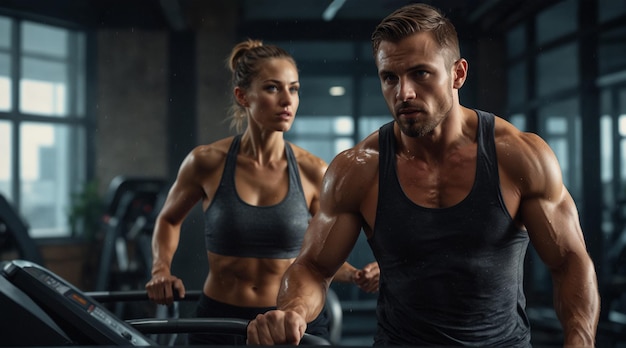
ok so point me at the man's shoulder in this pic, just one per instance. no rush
(507, 133)
(358, 159)
(523, 154)
(367, 148)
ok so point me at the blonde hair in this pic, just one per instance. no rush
(245, 63)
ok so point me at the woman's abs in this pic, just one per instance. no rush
(246, 282)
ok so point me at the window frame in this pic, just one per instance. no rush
(78, 116)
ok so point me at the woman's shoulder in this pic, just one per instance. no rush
(210, 155)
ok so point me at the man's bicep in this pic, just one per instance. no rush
(335, 228)
(329, 240)
(547, 208)
(554, 228)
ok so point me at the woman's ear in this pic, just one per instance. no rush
(240, 96)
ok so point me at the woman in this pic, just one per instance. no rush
(258, 193)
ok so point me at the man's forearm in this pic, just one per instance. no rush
(577, 304)
(302, 291)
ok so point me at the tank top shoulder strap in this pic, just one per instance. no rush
(487, 170)
(294, 173)
(386, 144)
(485, 139)
(228, 176)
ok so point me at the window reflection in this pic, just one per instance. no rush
(5, 33)
(323, 136)
(519, 121)
(516, 41)
(5, 92)
(6, 167)
(557, 69)
(610, 9)
(606, 148)
(44, 40)
(557, 21)
(47, 166)
(517, 83)
(42, 98)
(369, 124)
(611, 49)
(41, 173)
(560, 127)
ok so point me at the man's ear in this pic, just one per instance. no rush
(459, 73)
(240, 96)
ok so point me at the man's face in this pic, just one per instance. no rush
(415, 82)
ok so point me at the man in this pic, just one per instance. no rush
(449, 198)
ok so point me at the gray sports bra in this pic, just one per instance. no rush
(236, 228)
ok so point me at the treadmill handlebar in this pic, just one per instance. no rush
(136, 295)
(230, 326)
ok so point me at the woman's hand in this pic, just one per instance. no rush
(162, 286)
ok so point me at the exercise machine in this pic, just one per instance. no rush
(47, 303)
(34, 299)
(14, 237)
(125, 258)
(132, 204)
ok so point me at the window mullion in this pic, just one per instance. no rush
(15, 73)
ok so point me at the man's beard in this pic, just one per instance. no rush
(414, 129)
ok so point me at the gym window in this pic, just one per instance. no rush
(42, 122)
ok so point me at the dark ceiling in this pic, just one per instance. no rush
(273, 18)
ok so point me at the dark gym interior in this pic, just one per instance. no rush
(101, 100)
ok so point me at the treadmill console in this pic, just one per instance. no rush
(83, 319)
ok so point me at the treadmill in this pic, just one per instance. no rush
(46, 310)
(39, 308)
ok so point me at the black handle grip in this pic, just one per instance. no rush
(136, 295)
(208, 325)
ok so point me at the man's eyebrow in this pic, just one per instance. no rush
(420, 66)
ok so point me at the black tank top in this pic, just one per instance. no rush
(235, 228)
(450, 276)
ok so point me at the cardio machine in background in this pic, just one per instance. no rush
(14, 238)
(132, 204)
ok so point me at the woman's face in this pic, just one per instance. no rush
(272, 99)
